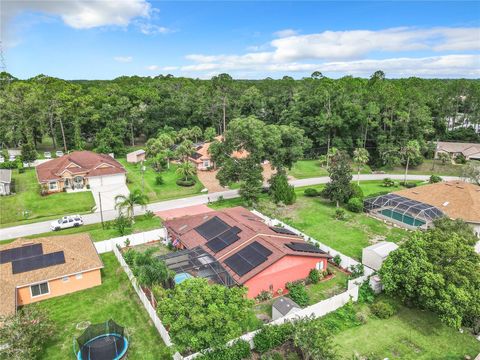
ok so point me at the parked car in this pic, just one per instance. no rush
(66, 222)
(59, 153)
(47, 155)
(11, 158)
(2, 159)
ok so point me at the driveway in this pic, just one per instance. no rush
(107, 193)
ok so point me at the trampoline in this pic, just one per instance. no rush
(105, 341)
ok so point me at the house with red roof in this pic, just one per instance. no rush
(79, 170)
(236, 247)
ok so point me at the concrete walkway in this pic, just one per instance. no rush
(41, 227)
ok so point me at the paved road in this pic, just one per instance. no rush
(41, 227)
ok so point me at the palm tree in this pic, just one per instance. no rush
(409, 151)
(136, 197)
(186, 170)
(185, 149)
(360, 157)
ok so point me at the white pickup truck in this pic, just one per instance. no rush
(66, 222)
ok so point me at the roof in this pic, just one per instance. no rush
(457, 199)
(5, 176)
(80, 256)
(249, 229)
(284, 305)
(202, 152)
(382, 248)
(137, 152)
(457, 147)
(86, 163)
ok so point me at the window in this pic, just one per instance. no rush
(65, 279)
(78, 276)
(206, 163)
(39, 289)
(52, 185)
(320, 265)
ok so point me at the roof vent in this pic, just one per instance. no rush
(183, 227)
(445, 203)
(415, 192)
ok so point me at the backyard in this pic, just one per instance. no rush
(114, 299)
(168, 190)
(28, 206)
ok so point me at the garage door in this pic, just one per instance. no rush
(118, 179)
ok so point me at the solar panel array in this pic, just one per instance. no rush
(21, 252)
(38, 262)
(304, 247)
(212, 228)
(224, 239)
(280, 230)
(248, 258)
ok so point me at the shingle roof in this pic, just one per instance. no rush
(79, 162)
(5, 176)
(457, 199)
(458, 147)
(252, 229)
(80, 256)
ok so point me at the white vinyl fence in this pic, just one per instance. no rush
(135, 239)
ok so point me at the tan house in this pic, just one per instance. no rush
(471, 151)
(39, 269)
(136, 156)
(202, 159)
(79, 170)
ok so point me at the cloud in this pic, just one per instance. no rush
(151, 29)
(152, 67)
(123, 59)
(285, 33)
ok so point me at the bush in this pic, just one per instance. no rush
(460, 159)
(355, 205)
(356, 271)
(238, 351)
(310, 192)
(264, 296)
(149, 214)
(435, 179)
(339, 214)
(366, 294)
(185, 183)
(379, 193)
(9, 165)
(408, 185)
(382, 310)
(355, 191)
(337, 260)
(298, 293)
(281, 191)
(314, 276)
(271, 337)
(122, 223)
(387, 182)
(159, 179)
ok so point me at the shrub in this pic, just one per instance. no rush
(122, 223)
(378, 193)
(382, 310)
(298, 293)
(355, 205)
(387, 182)
(185, 183)
(356, 271)
(238, 351)
(460, 159)
(149, 214)
(159, 179)
(272, 356)
(339, 214)
(314, 276)
(281, 191)
(408, 185)
(264, 296)
(311, 192)
(9, 165)
(270, 337)
(355, 191)
(435, 179)
(366, 294)
(337, 260)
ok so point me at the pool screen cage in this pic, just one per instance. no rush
(101, 341)
(198, 263)
(404, 207)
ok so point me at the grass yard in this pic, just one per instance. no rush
(430, 167)
(167, 191)
(28, 198)
(410, 334)
(114, 299)
(327, 288)
(304, 169)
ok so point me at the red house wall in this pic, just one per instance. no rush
(287, 269)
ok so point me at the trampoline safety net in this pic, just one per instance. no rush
(102, 341)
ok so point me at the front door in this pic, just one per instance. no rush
(78, 182)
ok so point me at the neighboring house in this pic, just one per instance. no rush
(284, 306)
(5, 181)
(79, 170)
(13, 154)
(37, 269)
(238, 248)
(136, 156)
(471, 151)
(456, 199)
(374, 255)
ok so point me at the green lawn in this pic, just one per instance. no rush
(114, 299)
(304, 169)
(410, 334)
(168, 190)
(28, 198)
(430, 167)
(327, 288)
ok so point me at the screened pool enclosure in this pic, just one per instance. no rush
(403, 211)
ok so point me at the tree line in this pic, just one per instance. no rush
(379, 114)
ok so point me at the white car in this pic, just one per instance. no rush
(59, 153)
(66, 222)
(47, 155)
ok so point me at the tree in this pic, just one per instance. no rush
(128, 202)
(186, 170)
(26, 332)
(437, 270)
(472, 172)
(185, 149)
(443, 157)
(340, 172)
(360, 157)
(251, 181)
(28, 152)
(209, 134)
(314, 340)
(409, 151)
(280, 190)
(200, 315)
(196, 133)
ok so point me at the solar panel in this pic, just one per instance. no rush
(304, 247)
(212, 228)
(38, 262)
(260, 249)
(248, 258)
(280, 230)
(223, 240)
(20, 253)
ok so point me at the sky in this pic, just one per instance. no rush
(91, 39)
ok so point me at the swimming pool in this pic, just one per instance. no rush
(179, 278)
(406, 219)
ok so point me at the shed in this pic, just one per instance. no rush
(373, 256)
(284, 306)
(5, 181)
(136, 156)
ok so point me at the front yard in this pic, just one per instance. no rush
(304, 169)
(114, 299)
(167, 191)
(28, 206)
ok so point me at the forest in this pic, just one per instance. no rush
(379, 114)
